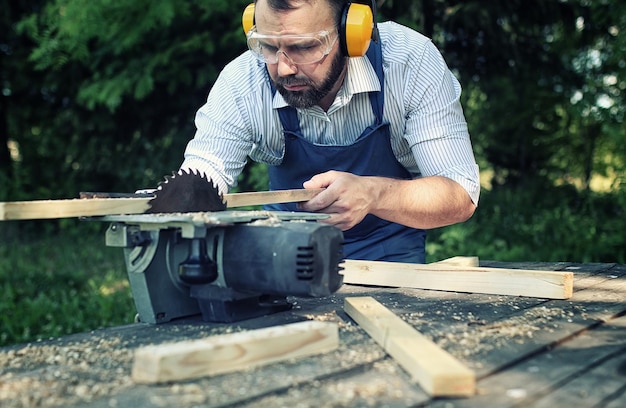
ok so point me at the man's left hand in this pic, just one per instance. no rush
(347, 198)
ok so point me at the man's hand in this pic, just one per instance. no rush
(428, 202)
(347, 198)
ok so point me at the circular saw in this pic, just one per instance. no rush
(186, 256)
(186, 191)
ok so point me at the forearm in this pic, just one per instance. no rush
(428, 202)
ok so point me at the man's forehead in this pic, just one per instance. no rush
(304, 17)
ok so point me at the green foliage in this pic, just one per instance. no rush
(512, 224)
(253, 178)
(113, 89)
(52, 286)
(530, 61)
(127, 48)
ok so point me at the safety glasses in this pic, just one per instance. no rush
(298, 48)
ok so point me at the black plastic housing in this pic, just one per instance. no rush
(290, 258)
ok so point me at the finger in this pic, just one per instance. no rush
(336, 221)
(321, 180)
(322, 201)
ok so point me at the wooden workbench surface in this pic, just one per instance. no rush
(524, 351)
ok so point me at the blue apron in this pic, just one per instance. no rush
(371, 155)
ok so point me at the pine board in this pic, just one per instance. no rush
(441, 276)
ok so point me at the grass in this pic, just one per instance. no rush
(56, 283)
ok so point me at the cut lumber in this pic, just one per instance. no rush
(270, 197)
(232, 352)
(459, 261)
(495, 281)
(439, 373)
(78, 207)
(92, 207)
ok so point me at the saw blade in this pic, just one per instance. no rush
(186, 191)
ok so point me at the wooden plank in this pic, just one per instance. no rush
(593, 387)
(434, 369)
(496, 281)
(79, 207)
(459, 261)
(270, 197)
(232, 352)
(92, 207)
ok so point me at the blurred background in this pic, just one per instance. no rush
(101, 95)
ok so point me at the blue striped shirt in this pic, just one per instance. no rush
(429, 134)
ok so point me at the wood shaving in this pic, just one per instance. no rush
(74, 373)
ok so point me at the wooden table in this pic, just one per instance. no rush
(524, 351)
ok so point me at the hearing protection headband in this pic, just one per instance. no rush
(357, 27)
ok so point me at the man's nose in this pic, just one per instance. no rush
(285, 66)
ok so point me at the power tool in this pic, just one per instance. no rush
(188, 256)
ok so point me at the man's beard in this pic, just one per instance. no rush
(312, 96)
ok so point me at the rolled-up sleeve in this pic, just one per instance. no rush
(436, 129)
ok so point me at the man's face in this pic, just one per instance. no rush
(302, 85)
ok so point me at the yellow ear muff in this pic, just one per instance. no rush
(247, 20)
(359, 23)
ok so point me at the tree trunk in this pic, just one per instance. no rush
(592, 132)
(5, 155)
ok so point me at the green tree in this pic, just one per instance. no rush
(121, 82)
(544, 98)
(544, 81)
(17, 96)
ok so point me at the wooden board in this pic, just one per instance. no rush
(498, 281)
(270, 197)
(437, 372)
(92, 207)
(459, 261)
(49, 209)
(232, 352)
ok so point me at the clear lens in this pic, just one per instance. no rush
(299, 49)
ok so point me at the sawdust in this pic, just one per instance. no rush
(479, 336)
(383, 381)
(68, 373)
(51, 374)
(72, 373)
(93, 369)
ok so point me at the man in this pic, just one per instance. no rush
(386, 139)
